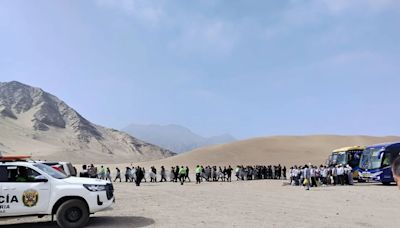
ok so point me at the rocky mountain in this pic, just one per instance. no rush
(35, 122)
(174, 137)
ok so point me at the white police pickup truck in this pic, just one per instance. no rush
(34, 189)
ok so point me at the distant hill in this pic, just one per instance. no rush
(285, 150)
(35, 122)
(174, 137)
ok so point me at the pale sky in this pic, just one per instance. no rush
(249, 68)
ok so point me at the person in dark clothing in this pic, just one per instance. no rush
(139, 176)
(153, 174)
(118, 176)
(279, 171)
(177, 174)
(187, 174)
(163, 174)
(284, 172)
(229, 173)
(127, 174)
(144, 174)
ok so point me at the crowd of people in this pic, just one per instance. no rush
(308, 176)
(313, 176)
(181, 174)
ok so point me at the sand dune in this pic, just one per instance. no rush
(287, 150)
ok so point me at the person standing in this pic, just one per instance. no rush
(182, 174)
(279, 171)
(84, 172)
(334, 175)
(118, 176)
(198, 174)
(108, 174)
(133, 174)
(203, 174)
(229, 173)
(284, 172)
(187, 174)
(128, 174)
(144, 174)
(163, 175)
(313, 176)
(340, 174)
(92, 171)
(324, 175)
(172, 175)
(139, 175)
(154, 170)
(177, 174)
(152, 175)
(237, 172)
(307, 177)
(349, 174)
(102, 173)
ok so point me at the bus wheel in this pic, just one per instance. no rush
(386, 183)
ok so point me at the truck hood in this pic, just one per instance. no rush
(79, 180)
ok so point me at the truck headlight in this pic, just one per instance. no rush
(94, 187)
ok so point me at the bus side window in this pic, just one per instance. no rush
(386, 160)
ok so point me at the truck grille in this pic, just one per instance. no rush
(109, 191)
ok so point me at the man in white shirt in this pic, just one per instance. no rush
(340, 174)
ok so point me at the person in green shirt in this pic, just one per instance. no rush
(182, 174)
(198, 174)
(23, 175)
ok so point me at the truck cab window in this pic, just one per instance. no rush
(17, 174)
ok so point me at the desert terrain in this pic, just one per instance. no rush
(284, 150)
(261, 203)
(36, 123)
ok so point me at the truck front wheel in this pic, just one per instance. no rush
(72, 214)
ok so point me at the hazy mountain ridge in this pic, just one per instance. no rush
(175, 137)
(29, 115)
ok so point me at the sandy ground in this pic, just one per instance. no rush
(263, 203)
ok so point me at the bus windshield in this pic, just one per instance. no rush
(341, 158)
(371, 158)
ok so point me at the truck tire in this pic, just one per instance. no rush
(72, 214)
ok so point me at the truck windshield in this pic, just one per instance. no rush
(50, 171)
(371, 158)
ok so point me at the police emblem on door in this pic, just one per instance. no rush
(30, 197)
